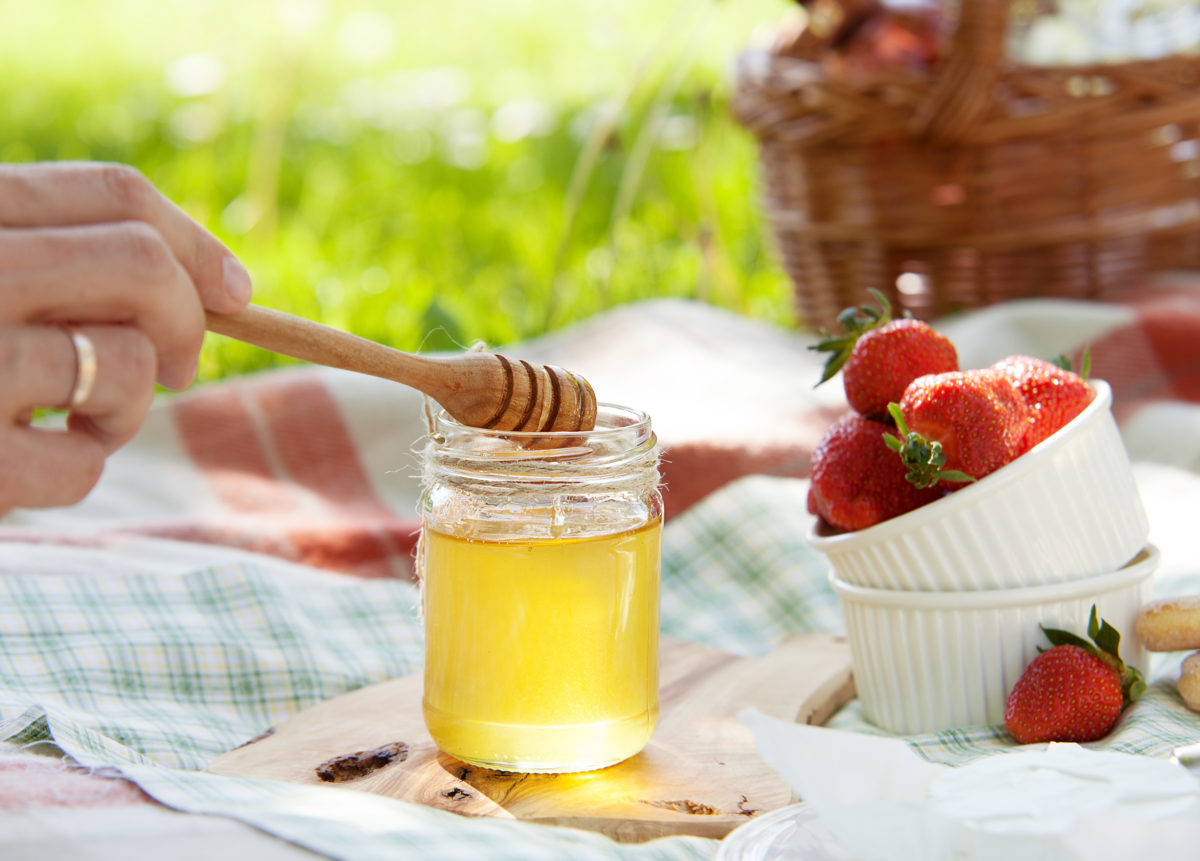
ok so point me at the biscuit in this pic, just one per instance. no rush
(1170, 624)
(1189, 681)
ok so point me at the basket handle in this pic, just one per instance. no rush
(962, 93)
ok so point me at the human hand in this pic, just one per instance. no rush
(94, 249)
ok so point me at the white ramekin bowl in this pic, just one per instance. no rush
(925, 661)
(1066, 509)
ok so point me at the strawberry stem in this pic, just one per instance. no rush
(1105, 645)
(923, 459)
(1085, 363)
(856, 320)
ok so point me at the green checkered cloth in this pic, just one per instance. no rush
(154, 674)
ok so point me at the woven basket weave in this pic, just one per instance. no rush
(983, 182)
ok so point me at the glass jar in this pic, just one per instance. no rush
(540, 569)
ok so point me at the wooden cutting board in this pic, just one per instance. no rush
(700, 774)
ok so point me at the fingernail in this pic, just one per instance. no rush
(236, 280)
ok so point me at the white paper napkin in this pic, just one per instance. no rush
(1059, 801)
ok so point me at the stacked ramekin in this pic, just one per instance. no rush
(944, 605)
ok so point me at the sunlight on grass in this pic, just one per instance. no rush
(423, 174)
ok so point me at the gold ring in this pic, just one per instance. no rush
(85, 367)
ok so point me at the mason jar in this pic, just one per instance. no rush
(539, 561)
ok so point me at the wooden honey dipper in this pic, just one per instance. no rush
(484, 390)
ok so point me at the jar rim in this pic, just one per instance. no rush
(623, 441)
(619, 459)
(612, 422)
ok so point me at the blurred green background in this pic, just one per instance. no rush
(425, 174)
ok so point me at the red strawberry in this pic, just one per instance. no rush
(1074, 691)
(856, 481)
(977, 418)
(1054, 394)
(879, 357)
(1065, 694)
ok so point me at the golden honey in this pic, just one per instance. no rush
(543, 655)
(540, 565)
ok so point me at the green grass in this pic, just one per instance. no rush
(425, 174)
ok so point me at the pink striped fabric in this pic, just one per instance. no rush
(277, 452)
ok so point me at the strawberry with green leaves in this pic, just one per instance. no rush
(879, 356)
(1073, 691)
(856, 481)
(1053, 393)
(958, 426)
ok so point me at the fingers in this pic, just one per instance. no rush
(124, 387)
(39, 366)
(77, 193)
(42, 467)
(106, 273)
(98, 247)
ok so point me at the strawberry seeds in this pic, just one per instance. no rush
(919, 419)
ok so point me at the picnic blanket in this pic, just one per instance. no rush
(249, 554)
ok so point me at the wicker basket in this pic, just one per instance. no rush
(984, 182)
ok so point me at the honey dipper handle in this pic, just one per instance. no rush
(313, 342)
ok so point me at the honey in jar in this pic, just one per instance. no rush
(541, 594)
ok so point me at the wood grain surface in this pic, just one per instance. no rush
(700, 774)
